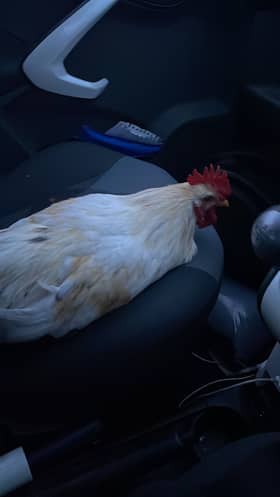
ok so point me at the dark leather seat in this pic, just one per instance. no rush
(139, 348)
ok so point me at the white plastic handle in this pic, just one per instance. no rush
(14, 471)
(45, 65)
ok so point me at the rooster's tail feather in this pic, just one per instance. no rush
(29, 323)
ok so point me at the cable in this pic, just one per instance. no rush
(252, 370)
(223, 380)
(247, 382)
(203, 359)
(241, 372)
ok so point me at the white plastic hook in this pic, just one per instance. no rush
(44, 66)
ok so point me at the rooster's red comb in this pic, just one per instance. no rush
(217, 178)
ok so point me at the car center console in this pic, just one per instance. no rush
(208, 419)
(228, 411)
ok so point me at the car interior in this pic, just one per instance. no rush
(178, 392)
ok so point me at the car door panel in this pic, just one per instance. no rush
(154, 60)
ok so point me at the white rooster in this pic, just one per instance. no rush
(69, 264)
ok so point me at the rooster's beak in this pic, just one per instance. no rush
(224, 203)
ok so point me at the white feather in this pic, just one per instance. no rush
(68, 265)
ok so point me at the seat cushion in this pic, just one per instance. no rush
(140, 347)
(56, 173)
